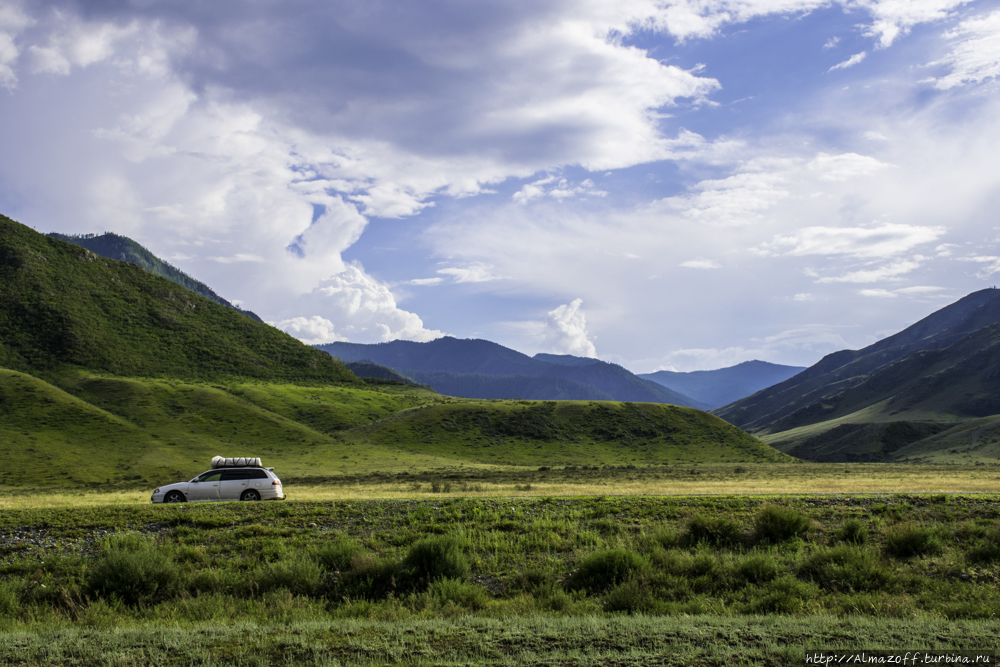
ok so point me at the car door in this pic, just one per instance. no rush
(206, 486)
(234, 483)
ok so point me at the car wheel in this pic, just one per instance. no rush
(250, 494)
(174, 497)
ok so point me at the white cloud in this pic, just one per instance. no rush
(476, 272)
(882, 241)
(890, 271)
(366, 310)
(831, 43)
(804, 296)
(878, 293)
(701, 264)
(425, 281)
(313, 330)
(558, 190)
(565, 331)
(13, 20)
(845, 166)
(850, 62)
(239, 257)
(992, 264)
(894, 18)
(734, 201)
(975, 52)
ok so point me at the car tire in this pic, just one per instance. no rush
(174, 497)
(250, 495)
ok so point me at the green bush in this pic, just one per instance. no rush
(909, 541)
(134, 571)
(848, 569)
(434, 558)
(989, 551)
(298, 575)
(757, 569)
(10, 598)
(776, 523)
(336, 555)
(458, 592)
(853, 531)
(604, 569)
(716, 531)
(630, 596)
(786, 595)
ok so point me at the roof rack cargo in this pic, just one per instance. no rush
(236, 462)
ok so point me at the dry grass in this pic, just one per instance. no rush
(729, 479)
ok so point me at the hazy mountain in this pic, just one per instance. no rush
(724, 385)
(939, 371)
(125, 249)
(63, 306)
(369, 370)
(485, 358)
(480, 385)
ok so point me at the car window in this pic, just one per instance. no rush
(258, 474)
(230, 475)
(210, 476)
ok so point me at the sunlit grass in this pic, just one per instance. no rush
(759, 479)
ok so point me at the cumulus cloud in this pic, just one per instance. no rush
(894, 18)
(313, 330)
(975, 52)
(13, 20)
(566, 331)
(843, 167)
(882, 241)
(734, 201)
(368, 309)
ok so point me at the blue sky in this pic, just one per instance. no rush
(680, 184)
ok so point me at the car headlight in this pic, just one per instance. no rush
(156, 490)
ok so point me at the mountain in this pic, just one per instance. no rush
(125, 249)
(369, 370)
(579, 377)
(921, 382)
(724, 385)
(65, 307)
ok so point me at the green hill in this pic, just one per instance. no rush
(63, 306)
(99, 429)
(880, 402)
(125, 249)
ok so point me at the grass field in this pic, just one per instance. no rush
(495, 481)
(438, 579)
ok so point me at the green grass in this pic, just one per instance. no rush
(588, 580)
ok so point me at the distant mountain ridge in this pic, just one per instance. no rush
(467, 366)
(124, 249)
(724, 385)
(941, 371)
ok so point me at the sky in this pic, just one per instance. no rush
(663, 184)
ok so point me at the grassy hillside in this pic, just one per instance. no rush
(124, 249)
(64, 306)
(100, 429)
(568, 433)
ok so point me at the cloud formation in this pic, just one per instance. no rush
(566, 331)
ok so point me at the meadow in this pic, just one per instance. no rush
(477, 568)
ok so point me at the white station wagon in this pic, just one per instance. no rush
(225, 482)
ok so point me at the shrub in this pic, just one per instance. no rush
(434, 558)
(458, 592)
(630, 596)
(665, 537)
(603, 569)
(853, 531)
(718, 531)
(775, 523)
(337, 554)
(10, 598)
(134, 571)
(757, 569)
(786, 595)
(298, 575)
(848, 569)
(909, 541)
(989, 551)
